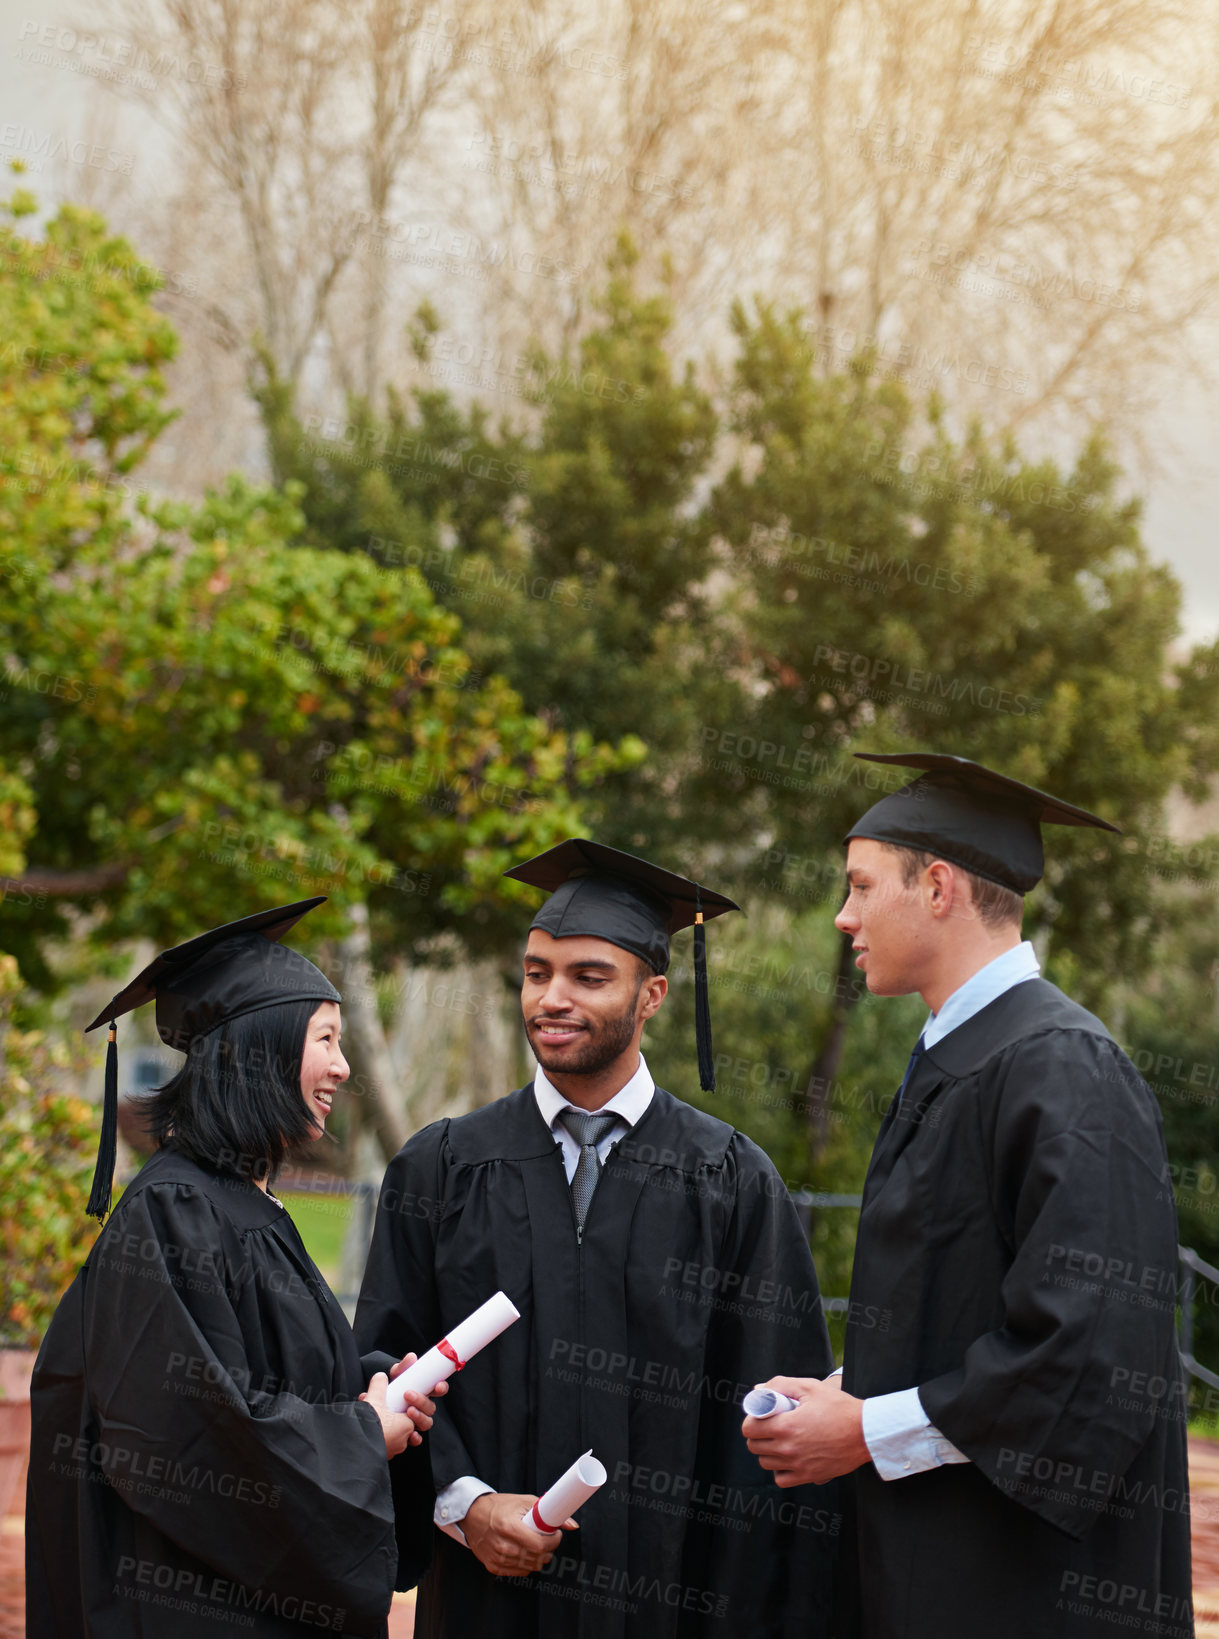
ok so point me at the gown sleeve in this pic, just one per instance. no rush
(281, 1493)
(399, 1308)
(1077, 1157)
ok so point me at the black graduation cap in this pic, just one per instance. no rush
(602, 893)
(200, 985)
(970, 816)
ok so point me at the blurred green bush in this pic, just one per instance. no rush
(48, 1142)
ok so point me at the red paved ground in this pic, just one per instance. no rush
(12, 1568)
(12, 1594)
(1204, 1487)
(1204, 1515)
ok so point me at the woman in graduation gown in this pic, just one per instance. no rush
(203, 1459)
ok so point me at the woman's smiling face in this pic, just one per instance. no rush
(323, 1067)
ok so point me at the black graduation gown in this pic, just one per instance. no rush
(199, 1465)
(693, 1282)
(1016, 1263)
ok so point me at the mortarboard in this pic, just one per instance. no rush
(602, 893)
(198, 986)
(969, 815)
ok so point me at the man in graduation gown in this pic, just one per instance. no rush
(200, 1461)
(660, 1270)
(1017, 1423)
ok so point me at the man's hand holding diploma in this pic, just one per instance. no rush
(820, 1439)
(408, 1426)
(499, 1536)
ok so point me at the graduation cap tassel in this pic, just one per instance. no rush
(702, 1004)
(103, 1173)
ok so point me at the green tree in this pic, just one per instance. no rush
(903, 590)
(1171, 1030)
(897, 589)
(569, 539)
(204, 716)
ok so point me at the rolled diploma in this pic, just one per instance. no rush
(567, 1494)
(452, 1352)
(767, 1403)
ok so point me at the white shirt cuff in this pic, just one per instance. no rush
(453, 1504)
(901, 1438)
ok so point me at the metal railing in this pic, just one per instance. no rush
(1191, 1266)
(806, 1201)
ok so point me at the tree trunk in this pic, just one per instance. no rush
(456, 1040)
(366, 1168)
(829, 1055)
(373, 1077)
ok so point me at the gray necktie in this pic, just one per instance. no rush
(587, 1130)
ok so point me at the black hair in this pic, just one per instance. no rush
(236, 1103)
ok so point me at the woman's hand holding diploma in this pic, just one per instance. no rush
(408, 1426)
(452, 1352)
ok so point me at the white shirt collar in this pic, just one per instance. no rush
(628, 1102)
(1010, 968)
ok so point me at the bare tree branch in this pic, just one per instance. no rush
(81, 884)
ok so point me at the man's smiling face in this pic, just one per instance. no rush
(583, 1001)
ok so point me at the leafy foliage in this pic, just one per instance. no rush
(47, 1150)
(911, 592)
(193, 697)
(572, 548)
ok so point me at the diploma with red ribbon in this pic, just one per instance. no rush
(451, 1353)
(567, 1494)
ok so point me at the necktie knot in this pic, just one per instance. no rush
(587, 1127)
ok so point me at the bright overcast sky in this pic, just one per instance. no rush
(1182, 498)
